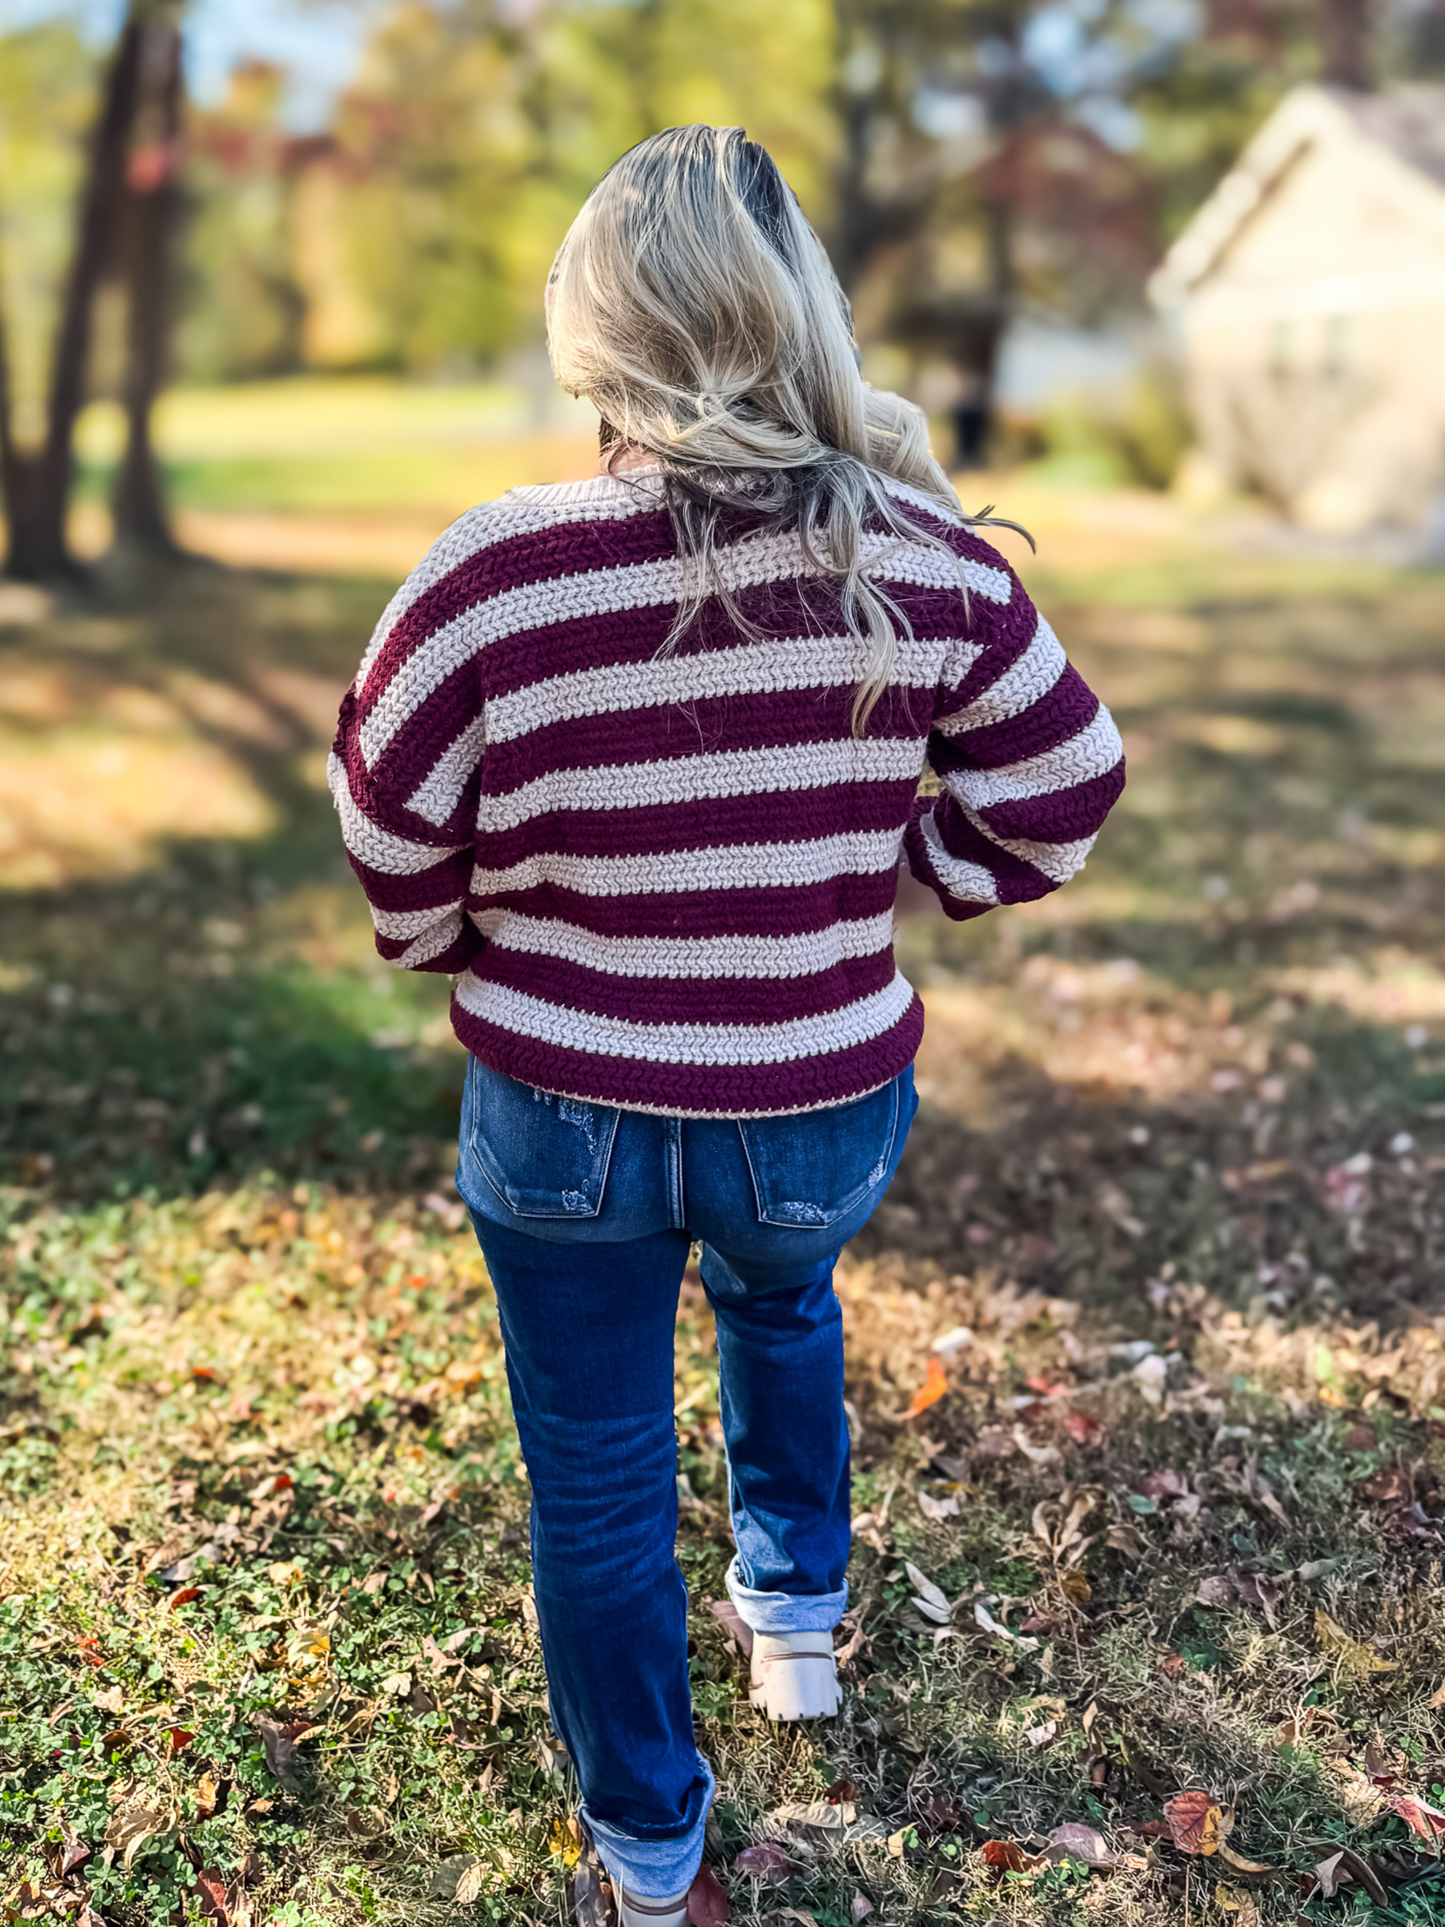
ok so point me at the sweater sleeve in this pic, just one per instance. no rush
(1029, 761)
(405, 767)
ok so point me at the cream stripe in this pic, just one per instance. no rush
(729, 956)
(520, 512)
(758, 668)
(969, 882)
(737, 866)
(1017, 689)
(432, 944)
(833, 1030)
(637, 585)
(683, 779)
(412, 923)
(1058, 861)
(439, 794)
(1091, 753)
(378, 849)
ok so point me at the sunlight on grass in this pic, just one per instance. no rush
(1162, 1259)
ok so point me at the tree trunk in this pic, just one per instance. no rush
(154, 205)
(37, 486)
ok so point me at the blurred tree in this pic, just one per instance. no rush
(146, 239)
(37, 455)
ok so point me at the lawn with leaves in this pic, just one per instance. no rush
(1147, 1354)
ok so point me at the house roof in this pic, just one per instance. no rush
(1408, 123)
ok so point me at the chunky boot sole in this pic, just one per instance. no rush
(796, 1684)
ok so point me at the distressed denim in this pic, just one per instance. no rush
(586, 1216)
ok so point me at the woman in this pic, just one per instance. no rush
(636, 761)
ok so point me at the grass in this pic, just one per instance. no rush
(265, 1638)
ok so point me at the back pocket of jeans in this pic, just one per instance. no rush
(816, 1167)
(544, 1156)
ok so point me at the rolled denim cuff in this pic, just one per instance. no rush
(655, 1869)
(780, 1612)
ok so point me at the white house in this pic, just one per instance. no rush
(1309, 294)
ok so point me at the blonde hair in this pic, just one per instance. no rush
(694, 305)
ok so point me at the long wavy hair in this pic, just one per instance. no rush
(694, 305)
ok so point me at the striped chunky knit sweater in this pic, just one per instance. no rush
(666, 881)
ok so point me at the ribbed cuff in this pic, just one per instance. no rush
(780, 1612)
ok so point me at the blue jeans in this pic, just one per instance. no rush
(586, 1216)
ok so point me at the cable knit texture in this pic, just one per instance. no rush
(666, 880)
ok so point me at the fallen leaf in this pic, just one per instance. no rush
(1036, 1454)
(1255, 1868)
(994, 1442)
(825, 1815)
(469, 1887)
(1165, 1485)
(1437, 1698)
(278, 1738)
(984, 1618)
(766, 1860)
(75, 1850)
(930, 1600)
(182, 1596)
(938, 1509)
(215, 1903)
(841, 1791)
(1007, 1856)
(565, 1840)
(1355, 1658)
(111, 1700)
(860, 1906)
(1419, 1816)
(1331, 1875)
(1044, 1735)
(1193, 1818)
(132, 1827)
(725, 1611)
(1082, 1427)
(180, 1739)
(1075, 1587)
(935, 1384)
(707, 1903)
(1238, 1586)
(1074, 1841)
(586, 1901)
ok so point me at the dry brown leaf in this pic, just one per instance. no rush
(278, 1738)
(727, 1613)
(938, 1509)
(1256, 1869)
(860, 1906)
(132, 1827)
(1354, 1657)
(1074, 1841)
(1437, 1698)
(1007, 1856)
(1331, 1875)
(766, 1860)
(1195, 1820)
(1419, 1816)
(707, 1904)
(586, 1901)
(469, 1887)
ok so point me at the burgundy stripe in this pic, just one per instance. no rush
(1062, 815)
(711, 913)
(920, 862)
(445, 882)
(668, 1000)
(1017, 880)
(457, 955)
(705, 823)
(1069, 707)
(512, 564)
(696, 1088)
(759, 719)
(1004, 633)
